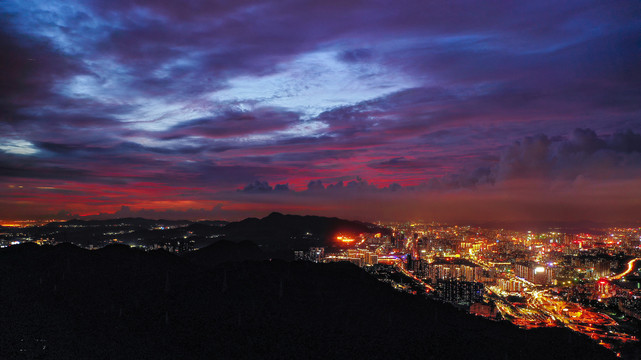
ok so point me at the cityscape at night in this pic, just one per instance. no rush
(320, 179)
(586, 282)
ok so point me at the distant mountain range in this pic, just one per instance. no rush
(276, 233)
(226, 302)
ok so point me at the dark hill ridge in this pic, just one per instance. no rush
(119, 303)
(219, 223)
(225, 251)
(132, 222)
(279, 232)
(276, 233)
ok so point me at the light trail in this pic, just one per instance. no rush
(627, 271)
(399, 265)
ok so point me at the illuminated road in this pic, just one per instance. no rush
(596, 325)
(536, 306)
(545, 310)
(627, 271)
(400, 266)
(540, 308)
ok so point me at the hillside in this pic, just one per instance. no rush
(287, 232)
(62, 302)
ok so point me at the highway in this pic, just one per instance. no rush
(596, 325)
(542, 309)
(627, 271)
(401, 267)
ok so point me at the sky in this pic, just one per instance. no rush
(454, 111)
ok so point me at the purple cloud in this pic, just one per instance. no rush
(201, 98)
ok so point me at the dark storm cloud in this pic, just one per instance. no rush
(91, 151)
(301, 159)
(583, 154)
(105, 166)
(213, 175)
(403, 164)
(580, 155)
(15, 168)
(234, 123)
(263, 187)
(311, 157)
(30, 68)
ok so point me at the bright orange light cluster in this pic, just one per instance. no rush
(11, 225)
(345, 239)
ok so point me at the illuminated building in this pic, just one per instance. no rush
(370, 258)
(510, 285)
(458, 269)
(601, 269)
(604, 288)
(416, 267)
(316, 254)
(460, 292)
(534, 272)
(355, 256)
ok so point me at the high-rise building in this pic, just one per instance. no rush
(509, 285)
(457, 269)
(533, 272)
(370, 258)
(460, 292)
(316, 254)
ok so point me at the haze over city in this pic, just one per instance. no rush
(458, 111)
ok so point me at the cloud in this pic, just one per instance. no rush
(234, 123)
(315, 185)
(583, 154)
(217, 212)
(31, 69)
(19, 167)
(263, 187)
(558, 173)
(200, 98)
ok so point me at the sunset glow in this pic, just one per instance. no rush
(474, 112)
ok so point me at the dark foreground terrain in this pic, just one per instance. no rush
(63, 302)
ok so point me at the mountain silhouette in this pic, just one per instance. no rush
(224, 251)
(63, 302)
(278, 232)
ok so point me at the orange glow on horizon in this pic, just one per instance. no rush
(11, 225)
(24, 223)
